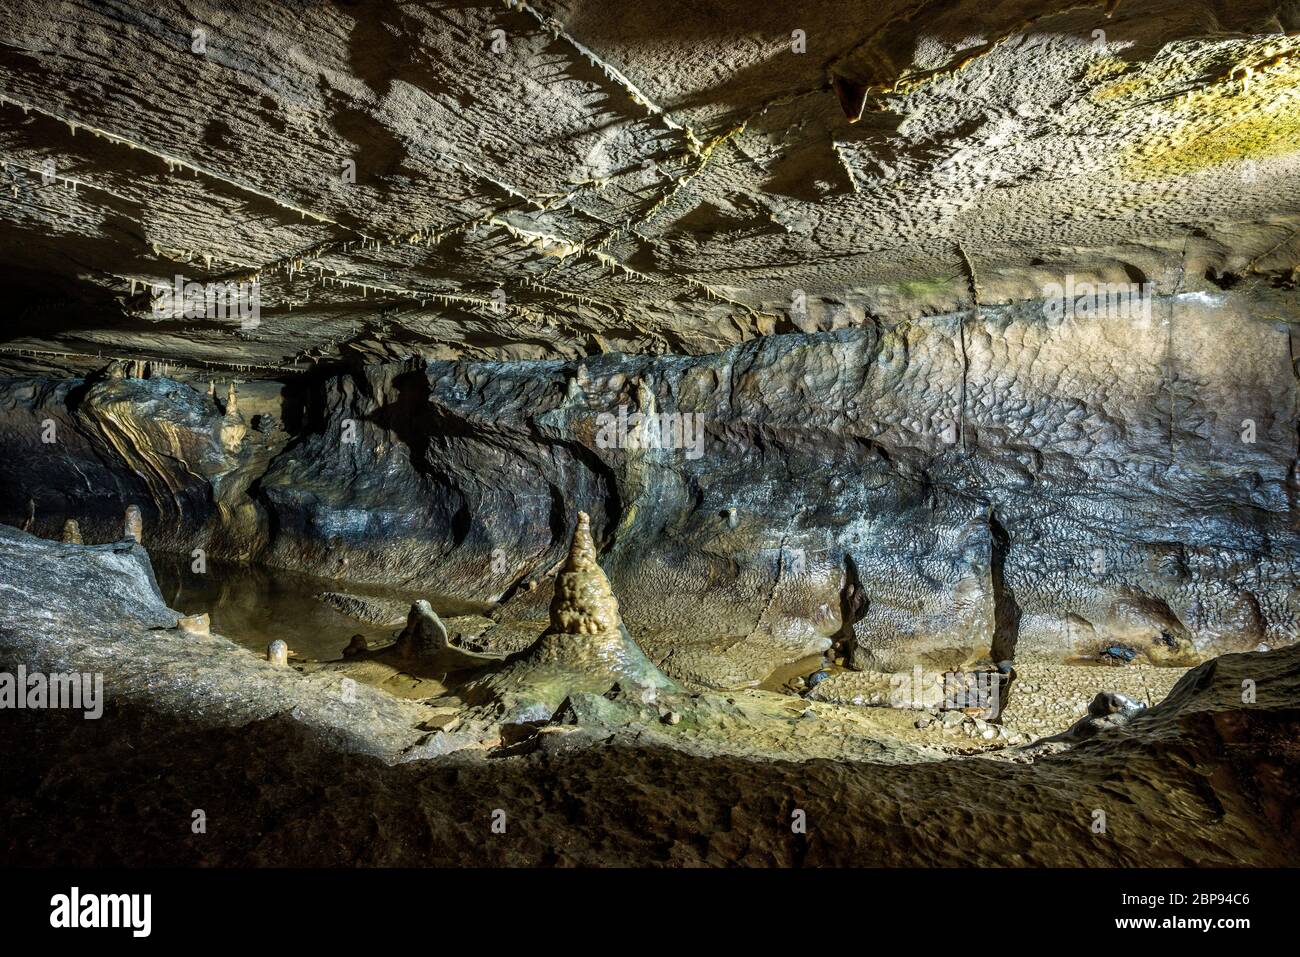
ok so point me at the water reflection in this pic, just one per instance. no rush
(254, 605)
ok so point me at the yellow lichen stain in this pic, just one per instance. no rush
(1241, 138)
(1108, 68)
(1243, 110)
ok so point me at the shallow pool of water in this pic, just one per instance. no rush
(254, 605)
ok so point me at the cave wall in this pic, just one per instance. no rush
(923, 492)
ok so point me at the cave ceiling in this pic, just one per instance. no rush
(553, 179)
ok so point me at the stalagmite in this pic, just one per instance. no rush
(71, 532)
(584, 603)
(585, 649)
(134, 524)
(424, 635)
(232, 402)
(277, 653)
(198, 625)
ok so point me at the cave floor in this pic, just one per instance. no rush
(317, 617)
(314, 764)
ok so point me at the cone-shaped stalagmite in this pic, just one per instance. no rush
(587, 634)
(586, 649)
(424, 635)
(72, 532)
(134, 524)
(584, 603)
(232, 401)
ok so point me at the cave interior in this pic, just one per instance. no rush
(673, 425)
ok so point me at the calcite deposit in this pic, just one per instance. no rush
(586, 649)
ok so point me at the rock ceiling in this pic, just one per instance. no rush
(560, 177)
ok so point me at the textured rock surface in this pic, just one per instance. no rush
(912, 492)
(97, 609)
(645, 178)
(759, 292)
(1204, 777)
(922, 466)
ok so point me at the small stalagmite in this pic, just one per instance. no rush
(424, 635)
(72, 532)
(277, 653)
(134, 524)
(232, 400)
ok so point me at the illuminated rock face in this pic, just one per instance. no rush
(687, 177)
(927, 492)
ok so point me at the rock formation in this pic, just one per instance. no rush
(587, 648)
(1108, 710)
(1067, 524)
(861, 338)
(277, 653)
(1202, 778)
(424, 636)
(583, 604)
(134, 524)
(198, 625)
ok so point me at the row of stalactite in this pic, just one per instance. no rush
(142, 369)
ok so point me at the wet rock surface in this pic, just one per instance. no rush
(938, 492)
